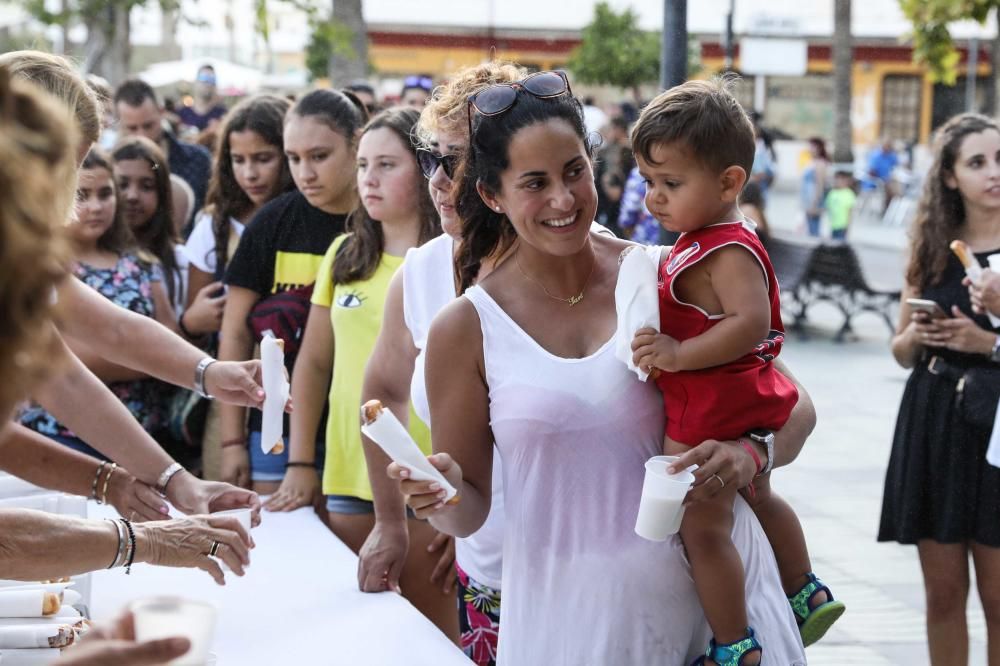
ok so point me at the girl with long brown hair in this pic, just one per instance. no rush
(396, 214)
(940, 493)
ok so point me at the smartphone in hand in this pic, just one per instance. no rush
(933, 310)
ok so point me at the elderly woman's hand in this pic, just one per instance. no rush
(134, 499)
(115, 645)
(720, 464)
(187, 542)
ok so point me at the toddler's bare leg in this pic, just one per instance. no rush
(716, 565)
(785, 534)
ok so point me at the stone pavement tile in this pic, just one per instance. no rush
(827, 653)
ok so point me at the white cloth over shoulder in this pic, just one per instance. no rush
(579, 586)
(637, 301)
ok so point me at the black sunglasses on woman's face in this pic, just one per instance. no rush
(429, 162)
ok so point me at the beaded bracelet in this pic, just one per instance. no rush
(97, 477)
(299, 463)
(130, 554)
(107, 479)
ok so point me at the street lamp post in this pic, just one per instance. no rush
(674, 44)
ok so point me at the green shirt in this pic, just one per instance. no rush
(839, 203)
(356, 316)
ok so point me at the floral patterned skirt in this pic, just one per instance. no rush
(478, 619)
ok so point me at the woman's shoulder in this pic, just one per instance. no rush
(457, 324)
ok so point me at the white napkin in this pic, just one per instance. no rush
(637, 301)
(392, 437)
(36, 636)
(276, 390)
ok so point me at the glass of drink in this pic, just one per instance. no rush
(171, 617)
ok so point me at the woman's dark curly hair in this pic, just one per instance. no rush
(485, 231)
(941, 212)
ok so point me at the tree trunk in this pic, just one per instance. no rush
(344, 67)
(109, 52)
(842, 139)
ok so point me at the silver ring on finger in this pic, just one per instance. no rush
(214, 550)
(722, 484)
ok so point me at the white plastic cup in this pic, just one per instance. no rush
(170, 617)
(242, 515)
(661, 507)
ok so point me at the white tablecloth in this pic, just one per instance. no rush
(298, 603)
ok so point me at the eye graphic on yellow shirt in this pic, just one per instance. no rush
(352, 299)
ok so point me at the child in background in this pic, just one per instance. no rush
(839, 203)
(108, 261)
(721, 323)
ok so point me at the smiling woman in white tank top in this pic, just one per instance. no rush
(525, 359)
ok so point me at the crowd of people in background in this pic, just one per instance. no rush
(344, 224)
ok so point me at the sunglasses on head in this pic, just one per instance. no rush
(501, 97)
(429, 162)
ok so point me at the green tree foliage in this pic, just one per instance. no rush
(615, 51)
(329, 38)
(932, 43)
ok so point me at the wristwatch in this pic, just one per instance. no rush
(765, 437)
(995, 352)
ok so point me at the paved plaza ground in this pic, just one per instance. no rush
(836, 484)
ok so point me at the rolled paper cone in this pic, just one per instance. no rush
(36, 636)
(28, 603)
(386, 431)
(272, 361)
(30, 657)
(973, 270)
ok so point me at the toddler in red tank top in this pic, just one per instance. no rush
(721, 330)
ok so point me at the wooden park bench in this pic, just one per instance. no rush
(810, 273)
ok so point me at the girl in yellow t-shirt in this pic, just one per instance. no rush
(395, 214)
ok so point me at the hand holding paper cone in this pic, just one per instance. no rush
(382, 427)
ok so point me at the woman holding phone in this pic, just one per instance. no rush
(940, 493)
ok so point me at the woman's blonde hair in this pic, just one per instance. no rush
(446, 112)
(57, 76)
(37, 159)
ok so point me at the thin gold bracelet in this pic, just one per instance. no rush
(107, 480)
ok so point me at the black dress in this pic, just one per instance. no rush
(938, 485)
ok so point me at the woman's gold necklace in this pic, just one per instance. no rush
(572, 300)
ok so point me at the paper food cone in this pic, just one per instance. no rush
(276, 390)
(386, 431)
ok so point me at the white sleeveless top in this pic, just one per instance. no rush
(580, 587)
(428, 286)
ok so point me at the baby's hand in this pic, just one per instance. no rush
(654, 350)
